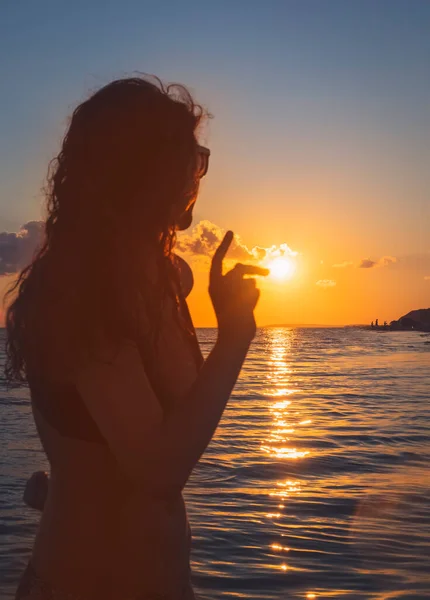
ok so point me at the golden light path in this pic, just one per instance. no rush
(287, 420)
(281, 268)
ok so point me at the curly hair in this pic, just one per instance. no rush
(125, 171)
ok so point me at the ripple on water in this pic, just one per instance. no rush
(316, 484)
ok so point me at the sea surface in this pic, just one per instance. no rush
(316, 485)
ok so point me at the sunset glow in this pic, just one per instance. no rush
(281, 268)
(215, 300)
(321, 192)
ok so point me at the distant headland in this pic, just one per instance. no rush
(416, 320)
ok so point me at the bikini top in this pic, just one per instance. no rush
(64, 409)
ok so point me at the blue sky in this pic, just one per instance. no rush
(322, 121)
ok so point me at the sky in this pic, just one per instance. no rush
(320, 137)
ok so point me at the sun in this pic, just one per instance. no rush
(281, 268)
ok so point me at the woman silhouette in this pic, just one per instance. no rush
(99, 327)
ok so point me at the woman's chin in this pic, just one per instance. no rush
(184, 221)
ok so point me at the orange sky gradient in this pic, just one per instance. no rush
(332, 285)
(327, 288)
(320, 138)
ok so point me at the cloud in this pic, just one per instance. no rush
(17, 249)
(387, 260)
(368, 263)
(427, 277)
(326, 283)
(272, 252)
(342, 265)
(206, 237)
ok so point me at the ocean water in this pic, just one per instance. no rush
(316, 485)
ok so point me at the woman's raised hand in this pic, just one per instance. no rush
(234, 297)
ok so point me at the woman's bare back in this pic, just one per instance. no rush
(129, 541)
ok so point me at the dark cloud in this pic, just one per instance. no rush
(17, 249)
(367, 263)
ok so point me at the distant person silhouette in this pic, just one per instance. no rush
(377, 323)
(99, 327)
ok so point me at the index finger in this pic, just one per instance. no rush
(218, 257)
(251, 270)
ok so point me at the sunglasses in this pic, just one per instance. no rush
(202, 161)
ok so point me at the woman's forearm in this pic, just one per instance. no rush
(188, 429)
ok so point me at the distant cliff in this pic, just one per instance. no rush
(416, 319)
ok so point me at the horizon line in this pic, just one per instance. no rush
(325, 325)
(315, 325)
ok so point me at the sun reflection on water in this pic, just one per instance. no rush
(285, 452)
(282, 440)
(279, 547)
(281, 388)
(287, 489)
